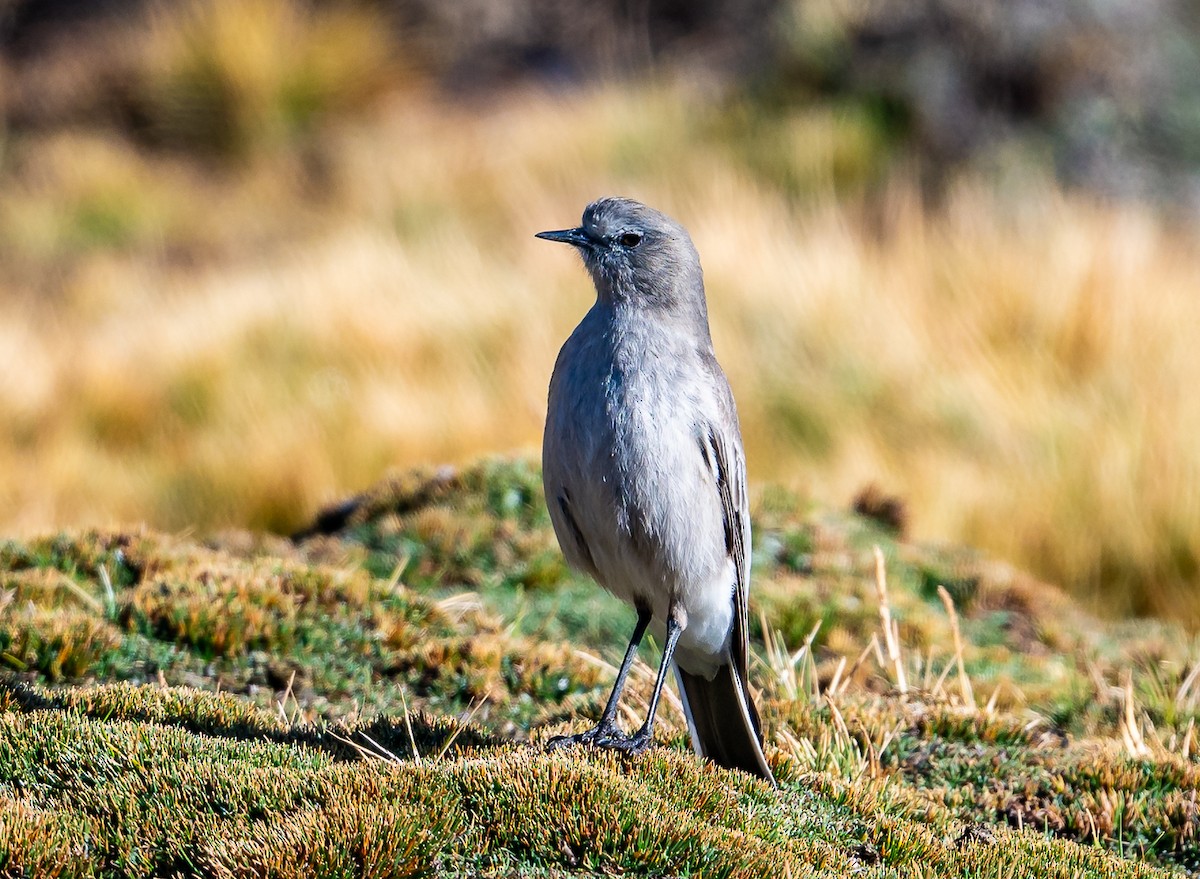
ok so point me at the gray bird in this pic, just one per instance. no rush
(645, 476)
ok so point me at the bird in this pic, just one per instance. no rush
(645, 478)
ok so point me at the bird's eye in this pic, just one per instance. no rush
(630, 239)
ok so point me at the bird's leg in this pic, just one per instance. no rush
(644, 737)
(606, 729)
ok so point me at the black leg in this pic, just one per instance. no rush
(606, 729)
(644, 737)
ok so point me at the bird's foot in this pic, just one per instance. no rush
(605, 736)
(637, 743)
(597, 735)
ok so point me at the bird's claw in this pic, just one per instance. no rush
(607, 737)
(635, 744)
(587, 737)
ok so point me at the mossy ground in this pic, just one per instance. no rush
(371, 701)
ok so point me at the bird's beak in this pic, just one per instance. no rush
(576, 237)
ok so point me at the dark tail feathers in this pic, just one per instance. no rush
(724, 723)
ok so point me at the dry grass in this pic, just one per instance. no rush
(233, 78)
(243, 346)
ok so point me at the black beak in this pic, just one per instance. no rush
(576, 237)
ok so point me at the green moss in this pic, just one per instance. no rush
(150, 798)
(336, 744)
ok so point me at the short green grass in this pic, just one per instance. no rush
(371, 701)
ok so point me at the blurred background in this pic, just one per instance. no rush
(254, 253)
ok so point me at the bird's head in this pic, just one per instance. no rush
(637, 255)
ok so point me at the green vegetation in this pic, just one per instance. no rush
(370, 702)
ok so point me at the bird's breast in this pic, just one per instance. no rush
(622, 444)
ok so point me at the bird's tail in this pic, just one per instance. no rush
(723, 721)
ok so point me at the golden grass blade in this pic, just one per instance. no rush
(964, 682)
(890, 631)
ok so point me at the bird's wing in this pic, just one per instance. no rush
(729, 468)
(721, 712)
(723, 441)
